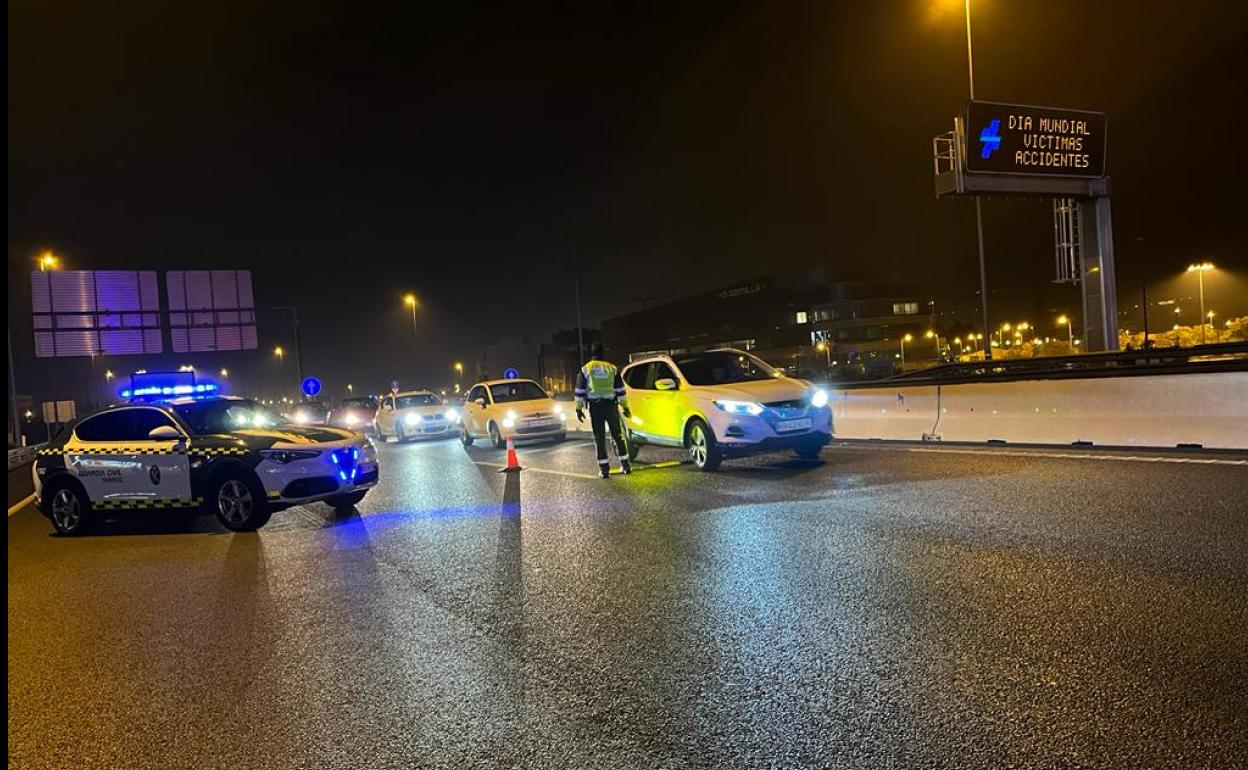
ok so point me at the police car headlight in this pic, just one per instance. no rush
(352, 420)
(412, 419)
(511, 415)
(284, 456)
(452, 415)
(368, 452)
(558, 408)
(819, 398)
(301, 418)
(740, 407)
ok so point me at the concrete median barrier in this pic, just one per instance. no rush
(1200, 409)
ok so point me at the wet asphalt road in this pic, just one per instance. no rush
(888, 607)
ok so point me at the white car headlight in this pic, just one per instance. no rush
(301, 418)
(819, 398)
(558, 409)
(740, 407)
(452, 415)
(352, 420)
(412, 419)
(511, 415)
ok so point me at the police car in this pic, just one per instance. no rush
(227, 455)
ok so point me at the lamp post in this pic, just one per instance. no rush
(1200, 270)
(979, 211)
(459, 373)
(904, 340)
(1070, 331)
(827, 351)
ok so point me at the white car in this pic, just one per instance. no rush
(723, 403)
(228, 455)
(415, 414)
(521, 409)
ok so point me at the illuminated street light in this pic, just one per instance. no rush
(108, 374)
(224, 372)
(350, 388)
(1070, 331)
(409, 299)
(48, 261)
(1200, 270)
(826, 349)
(904, 340)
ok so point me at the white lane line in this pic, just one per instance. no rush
(1057, 455)
(15, 508)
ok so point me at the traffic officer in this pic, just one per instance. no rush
(599, 383)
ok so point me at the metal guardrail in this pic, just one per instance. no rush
(1223, 357)
(22, 456)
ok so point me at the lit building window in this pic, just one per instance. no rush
(801, 316)
(905, 308)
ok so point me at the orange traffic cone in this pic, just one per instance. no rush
(513, 462)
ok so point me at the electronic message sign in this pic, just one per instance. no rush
(1034, 141)
(95, 312)
(211, 310)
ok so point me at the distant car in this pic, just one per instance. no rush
(415, 414)
(723, 403)
(357, 413)
(229, 455)
(497, 409)
(307, 413)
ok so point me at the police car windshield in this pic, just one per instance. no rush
(723, 368)
(516, 391)
(224, 416)
(424, 399)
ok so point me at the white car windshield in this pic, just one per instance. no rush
(421, 399)
(516, 391)
(724, 367)
(222, 416)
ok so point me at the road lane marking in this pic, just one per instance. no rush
(1055, 455)
(15, 508)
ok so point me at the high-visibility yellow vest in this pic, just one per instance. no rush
(599, 379)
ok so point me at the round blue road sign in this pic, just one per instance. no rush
(311, 386)
(510, 373)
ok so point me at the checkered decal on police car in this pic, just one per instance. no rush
(113, 505)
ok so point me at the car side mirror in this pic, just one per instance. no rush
(667, 383)
(480, 401)
(164, 433)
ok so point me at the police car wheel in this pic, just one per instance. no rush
(465, 437)
(69, 511)
(496, 438)
(239, 503)
(704, 451)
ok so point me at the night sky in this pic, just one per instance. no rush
(349, 152)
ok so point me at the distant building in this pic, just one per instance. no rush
(561, 358)
(517, 353)
(781, 318)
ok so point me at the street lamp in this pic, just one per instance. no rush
(224, 372)
(1200, 270)
(904, 340)
(827, 352)
(409, 299)
(1070, 329)
(281, 355)
(350, 388)
(48, 261)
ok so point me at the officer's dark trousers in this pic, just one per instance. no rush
(604, 413)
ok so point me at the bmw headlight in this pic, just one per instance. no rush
(751, 408)
(283, 456)
(452, 415)
(412, 419)
(819, 398)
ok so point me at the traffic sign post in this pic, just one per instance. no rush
(310, 387)
(510, 373)
(1043, 152)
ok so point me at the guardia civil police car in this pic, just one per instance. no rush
(225, 454)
